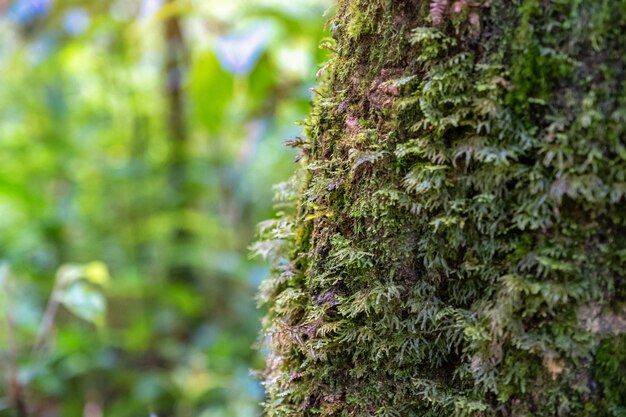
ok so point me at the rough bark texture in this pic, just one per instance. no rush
(455, 241)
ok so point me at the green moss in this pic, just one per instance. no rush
(610, 373)
(454, 242)
(361, 21)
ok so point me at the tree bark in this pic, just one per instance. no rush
(457, 240)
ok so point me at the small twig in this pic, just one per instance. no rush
(47, 322)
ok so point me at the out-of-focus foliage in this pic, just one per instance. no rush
(85, 166)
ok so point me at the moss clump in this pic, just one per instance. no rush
(455, 240)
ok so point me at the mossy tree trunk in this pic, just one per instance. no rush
(456, 242)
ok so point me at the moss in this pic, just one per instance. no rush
(454, 241)
(610, 373)
(360, 21)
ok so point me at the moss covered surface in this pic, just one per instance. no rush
(455, 240)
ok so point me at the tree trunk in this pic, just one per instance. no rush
(180, 194)
(457, 242)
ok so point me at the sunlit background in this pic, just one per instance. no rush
(139, 142)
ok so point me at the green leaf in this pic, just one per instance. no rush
(96, 273)
(85, 301)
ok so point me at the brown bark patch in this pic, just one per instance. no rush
(383, 91)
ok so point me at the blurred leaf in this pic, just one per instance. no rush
(68, 274)
(211, 89)
(85, 301)
(96, 273)
(93, 272)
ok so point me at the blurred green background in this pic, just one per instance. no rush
(139, 141)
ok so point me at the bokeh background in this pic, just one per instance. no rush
(139, 142)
